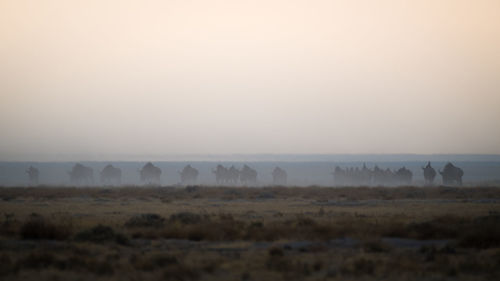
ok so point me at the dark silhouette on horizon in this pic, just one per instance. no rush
(111, 175)
(451, 175)
(81, 174)
(33, 175)
(403, 176)
(279, 176)
(429, 174)
(248, 176)
(225, 176)
(189, 175)
(365, 177)
(150, 174)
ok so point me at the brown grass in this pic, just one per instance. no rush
(250, 193)
(38, 227)
(240, 233)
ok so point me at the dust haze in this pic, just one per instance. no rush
(249, 140)
(120, 80)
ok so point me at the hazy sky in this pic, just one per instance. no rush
(95, 78)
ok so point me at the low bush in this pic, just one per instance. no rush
(376, 246)
(481, 238)
(37, 260)
(276, 252)
(102, 234)
(146, 220)
(37, 227)
(181, 272)
(358, 266)
(42, 260)
(154, 262)
(6, 265)
(187, 218)
(10, 225)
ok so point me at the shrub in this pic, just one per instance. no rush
(443, 227)
(192, 188)
(280, 264)
(37, 227)
(481, 238)
(482, 233)
(102, 234)
(359, 266)
(6, 265)
(181, 272)
(187, 218)
(154, 262)
(37, 260)
(266, 195)
(146, 220)
(276, 252)
(10, 225)
(376, 246)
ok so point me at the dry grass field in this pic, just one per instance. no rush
(273, 233)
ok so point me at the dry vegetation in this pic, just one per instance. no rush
(275, 233)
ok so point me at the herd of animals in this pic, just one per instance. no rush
(150, 174)
(361, 177)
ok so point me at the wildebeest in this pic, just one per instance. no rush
(403, 176)
(429, 174)
(150, 174)
(111, 175)
(225, 175)
(279, 176)
(451, 175)
(221, 173)
(233, 175)
(365, 175)
(382, 177)
(189, 175)
(81, 174)
(33, 175)
(248, 175)
(355, 176)
(338, 176)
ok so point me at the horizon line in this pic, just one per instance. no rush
(254, 157)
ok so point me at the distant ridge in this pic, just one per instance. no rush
(263, 157)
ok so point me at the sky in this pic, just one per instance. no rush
(119, 78)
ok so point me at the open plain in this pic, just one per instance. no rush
(270, 233)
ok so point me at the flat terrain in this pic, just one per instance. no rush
(273, 233)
